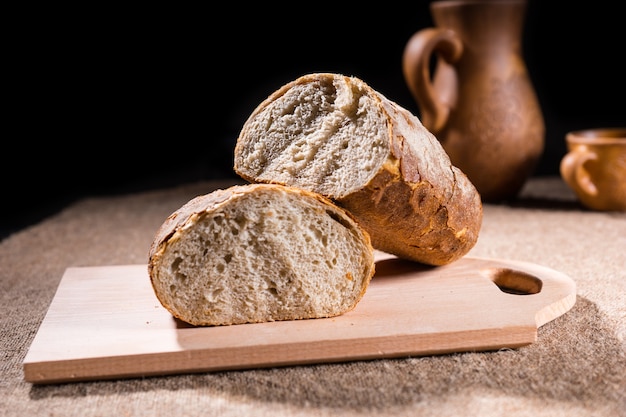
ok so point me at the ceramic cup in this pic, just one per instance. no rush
(595, 167)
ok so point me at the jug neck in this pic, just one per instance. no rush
(482, 23)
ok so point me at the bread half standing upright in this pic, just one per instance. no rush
(257, 253)
(335, 135)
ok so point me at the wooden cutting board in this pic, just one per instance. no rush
(106, 322)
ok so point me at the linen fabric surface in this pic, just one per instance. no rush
(577, 366)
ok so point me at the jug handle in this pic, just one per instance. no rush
(574, 173)
(416, 62)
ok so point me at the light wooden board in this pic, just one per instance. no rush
(106, 323)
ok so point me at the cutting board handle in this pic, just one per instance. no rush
(545, 293)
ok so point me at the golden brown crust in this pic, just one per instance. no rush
(418, 206)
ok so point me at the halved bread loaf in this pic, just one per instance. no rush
(257, 253)
(336, 136)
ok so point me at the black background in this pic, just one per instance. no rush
(114, 100)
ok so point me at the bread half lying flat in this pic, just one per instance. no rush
(334, 135)
(259, 252)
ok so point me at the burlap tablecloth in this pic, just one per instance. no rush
(577, 367)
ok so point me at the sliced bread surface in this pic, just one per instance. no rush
(257, 253)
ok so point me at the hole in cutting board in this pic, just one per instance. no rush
(514, 282)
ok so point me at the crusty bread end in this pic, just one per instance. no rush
(336, 136)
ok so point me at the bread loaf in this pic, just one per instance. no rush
(336, 136)
(259, 252)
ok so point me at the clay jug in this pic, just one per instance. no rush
(472, 87)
